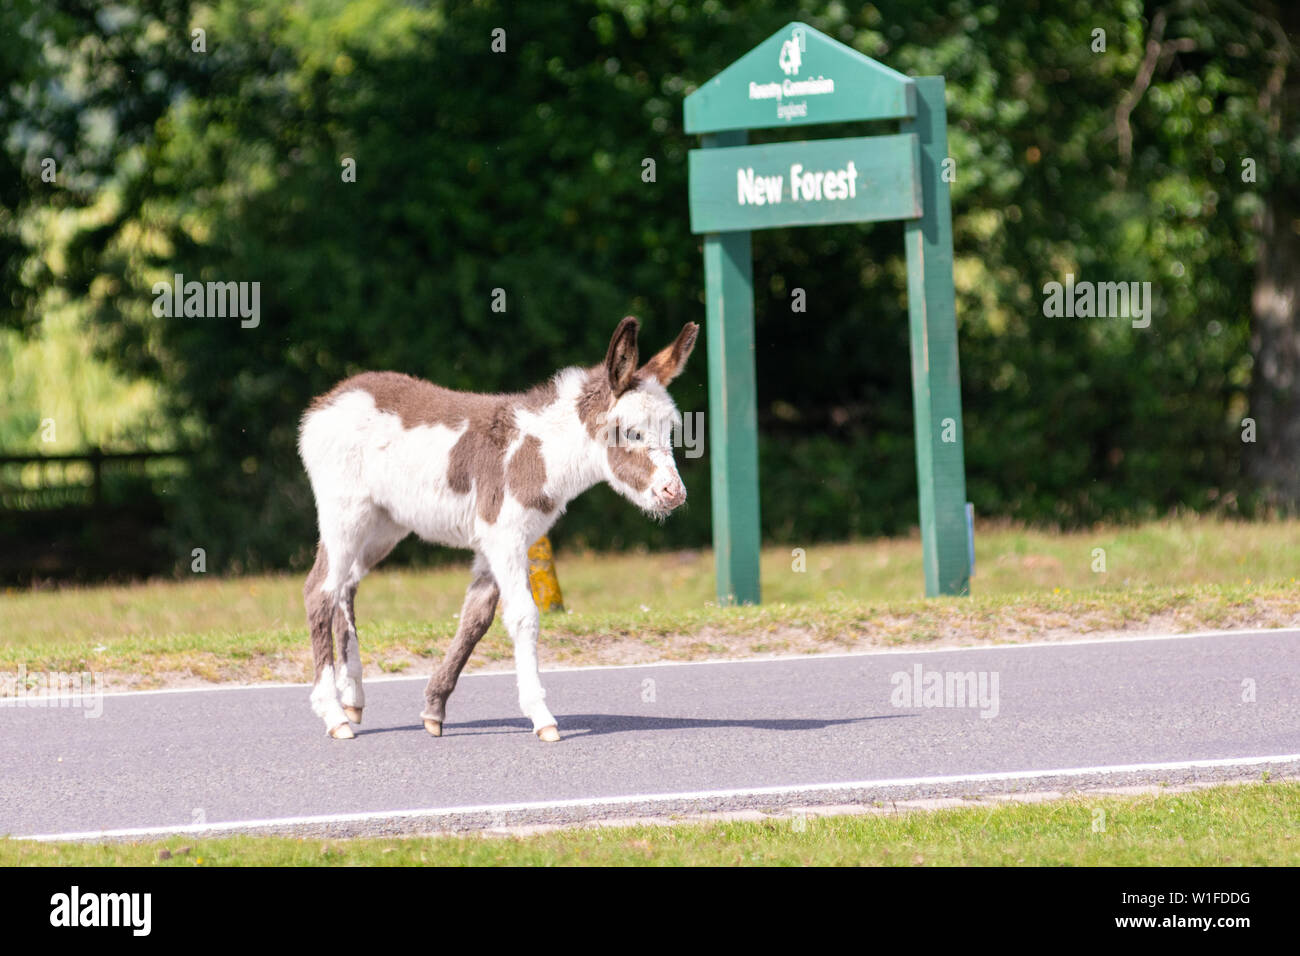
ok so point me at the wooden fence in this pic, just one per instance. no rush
(73, 481)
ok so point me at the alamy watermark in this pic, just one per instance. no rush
(1102, 300)
(922, 688)
(208, 300)
(74, 908)
(55, 689)
(686, 432)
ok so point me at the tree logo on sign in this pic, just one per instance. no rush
(791, 53)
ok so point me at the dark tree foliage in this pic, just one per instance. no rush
(523, 171)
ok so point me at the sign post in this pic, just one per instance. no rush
(801, 76)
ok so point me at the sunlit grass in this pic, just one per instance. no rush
(1244, 825)
(1180, 575)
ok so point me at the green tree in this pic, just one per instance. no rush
(522, 171)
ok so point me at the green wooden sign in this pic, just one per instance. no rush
(800, 76)
(805, 184)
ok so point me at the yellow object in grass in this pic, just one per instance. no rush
(541, 576)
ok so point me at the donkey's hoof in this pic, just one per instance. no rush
(550, 733)
(433, 726)
(342, 732)
(353, 714)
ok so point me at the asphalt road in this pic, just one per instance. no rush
(660, 739)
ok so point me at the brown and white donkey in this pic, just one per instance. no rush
(389, 455)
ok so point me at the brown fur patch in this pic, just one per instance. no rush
(477, 460)
(344, 611)
(526, 475)
(320, 612)
(632, 466)
(476, 465)
(595, 399)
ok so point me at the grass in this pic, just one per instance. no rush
(1242, 825)
(1176, 575)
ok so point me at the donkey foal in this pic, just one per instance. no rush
(389, 455)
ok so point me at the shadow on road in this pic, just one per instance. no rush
(591, 725)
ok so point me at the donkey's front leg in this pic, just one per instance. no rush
(523, 622)
(475, 619)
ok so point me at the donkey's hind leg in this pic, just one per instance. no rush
(348, 678)
(321, 606)
(380, 537)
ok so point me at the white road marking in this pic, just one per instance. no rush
(696, 795)
(1026, 646)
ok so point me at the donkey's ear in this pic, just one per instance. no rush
(621, 359)
(668, 364)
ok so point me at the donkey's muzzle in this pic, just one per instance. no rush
(670, 495)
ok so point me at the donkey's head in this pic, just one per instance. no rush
(628, 412)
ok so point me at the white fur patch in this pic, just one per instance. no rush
(325, 701)
(649, 410)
